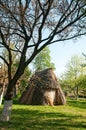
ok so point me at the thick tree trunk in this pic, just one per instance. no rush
(5, 116)
(7, 108)
(6, 112)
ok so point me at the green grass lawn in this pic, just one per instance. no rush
(68, 117)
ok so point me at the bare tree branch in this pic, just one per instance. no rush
(31, 25)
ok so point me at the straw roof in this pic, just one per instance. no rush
(44, 79)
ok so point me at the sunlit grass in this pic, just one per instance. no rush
(69, 117)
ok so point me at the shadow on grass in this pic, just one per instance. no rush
(23, 119)
(77, 103)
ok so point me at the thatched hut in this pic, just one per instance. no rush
(43, 89)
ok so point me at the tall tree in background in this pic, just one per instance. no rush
(31, 25)
(74, 71)
(43, 60)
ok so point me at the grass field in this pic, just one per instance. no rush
(69, 117)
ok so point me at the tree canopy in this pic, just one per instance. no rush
(73, 79)
(43, 60)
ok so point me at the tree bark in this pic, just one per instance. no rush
(7, 108)
(5, 116)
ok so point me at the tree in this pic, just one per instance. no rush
(43, 60)
(31, 25)
(84, 64)
(73, 73)
(82, 85)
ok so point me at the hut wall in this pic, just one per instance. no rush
(37, 98)
(60, 98)
(49, 97)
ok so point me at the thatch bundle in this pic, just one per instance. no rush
(43, 89)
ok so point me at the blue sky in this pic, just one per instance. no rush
(61, 52)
